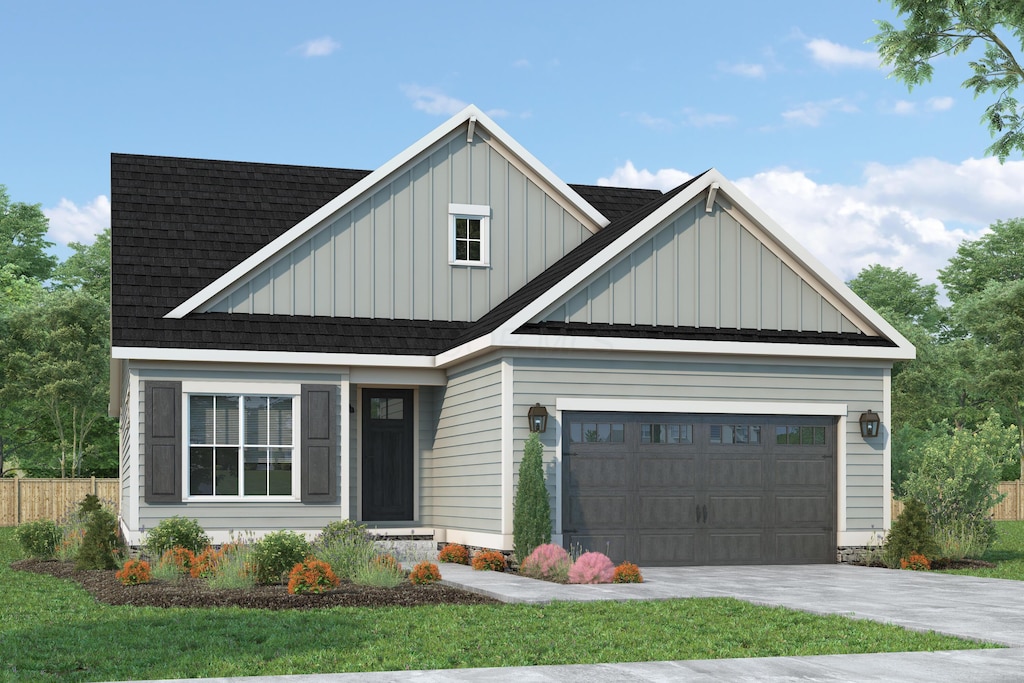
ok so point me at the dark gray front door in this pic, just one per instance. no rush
(387, 463)
(670, 490)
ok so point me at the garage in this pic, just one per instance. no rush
(687, 489)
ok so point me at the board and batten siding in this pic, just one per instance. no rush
(387, 256)
(544, 380)
(702, 270)
(461, 475)
(235, 515)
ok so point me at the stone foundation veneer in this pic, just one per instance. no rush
(850, 554)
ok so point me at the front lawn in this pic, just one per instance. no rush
(1007, 553)
(51, 629)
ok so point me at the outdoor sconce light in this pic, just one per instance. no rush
(869, 422)
(538, 415)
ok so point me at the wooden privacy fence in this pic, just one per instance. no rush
(1010, 510)
(26, 500)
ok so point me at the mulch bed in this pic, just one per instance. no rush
(950, 564)
(189, 592)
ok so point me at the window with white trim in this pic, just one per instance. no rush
(469, 228)
(241, 445)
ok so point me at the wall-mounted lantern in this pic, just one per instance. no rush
(869, 423)
(538, 415)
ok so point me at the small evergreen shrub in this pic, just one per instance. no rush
(549, 562)
(39, 539)
(134, 572)
(424, 573)
(311, 576)
(489, 560)
(910, 534)
(627, 572)
(91, 503)
(275, 554)
(176, 531)
(531, 512)
(592, 568)
(101, 545)
(916, 562)
(453, 552)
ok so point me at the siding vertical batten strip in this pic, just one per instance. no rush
(345, 447)
(507, 443)
(887, 449)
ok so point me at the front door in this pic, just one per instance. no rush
(387, 455)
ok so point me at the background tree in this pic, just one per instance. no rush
(899, 296)
(997, 255)
(23, 242)
(937, 28)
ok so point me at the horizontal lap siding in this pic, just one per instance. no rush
(234, 515)
(461, 474)
(544, 380)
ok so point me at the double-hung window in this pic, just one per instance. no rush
(469, 228)
(241, 445)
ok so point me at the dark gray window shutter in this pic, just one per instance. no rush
(319, 444)
(163, 442)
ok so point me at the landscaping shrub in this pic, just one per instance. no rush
(233, 568)
(549, 562)
(453, 552)
(345, 546)
(627, 572)
(531, 512)
(40, 538)
(91, 503)
(423, 573)
(176, 531)
(910, 535)
(311, 576)
(957, 480)
(382, 571)
(134, 572)
(916, 562)
(489, 560)
(204, 565)
(592, 568)
(275, 554)
(180, 558)
(387, 561)
(101, 545)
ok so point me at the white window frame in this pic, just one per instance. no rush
(478, 212)
(242, 389)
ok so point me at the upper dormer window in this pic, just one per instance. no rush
(469, 234)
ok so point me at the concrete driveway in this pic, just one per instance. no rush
(990, 610)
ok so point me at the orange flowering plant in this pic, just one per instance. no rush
(453, 552)
(489, 560)
(627, 572)
(386, 561)
(424, 572)
(311, 576)
(205, 563)
(180, 557)
(916, 561)
(134, 572)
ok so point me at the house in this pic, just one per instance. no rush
(296, 345)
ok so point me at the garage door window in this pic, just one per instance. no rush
(666, 433)
(735, 434)
(800, 435)
(597, 432)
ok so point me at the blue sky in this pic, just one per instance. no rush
(785, 98)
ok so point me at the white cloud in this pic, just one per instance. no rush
(813, 113)
(746, 70)
(940, 103)
(71, 223)
(829, 54)
(653, 122)
(904, 107)
(319, 47)
(628, 176)
(703, 119)
(432, 101)
(521, 63)
(911, 215)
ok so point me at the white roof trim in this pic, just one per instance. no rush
(709, 407)
(271, 357)
(315, 219)
(904, 349)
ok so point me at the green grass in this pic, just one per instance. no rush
(1007, 553)
(50, 629)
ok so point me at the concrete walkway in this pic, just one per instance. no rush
(990, 610)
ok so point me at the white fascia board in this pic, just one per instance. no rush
(699, 346)
(820, 271)
(470, 348)
(354, 193)
(271, 357)
(628, 405)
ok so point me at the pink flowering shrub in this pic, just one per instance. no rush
(549, 562)
(592, 568)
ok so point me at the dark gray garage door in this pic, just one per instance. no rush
(670, 490)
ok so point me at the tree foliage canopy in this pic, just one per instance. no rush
(23, 241)
(936, 28)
